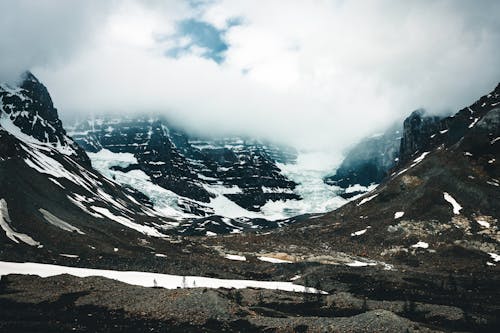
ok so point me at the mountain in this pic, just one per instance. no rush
(420, 252)
(203, 172)
(428, 234)
(51, 200)
(368, 162)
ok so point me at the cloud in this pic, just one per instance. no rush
(315, 74)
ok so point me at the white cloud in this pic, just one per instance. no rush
(315, 73)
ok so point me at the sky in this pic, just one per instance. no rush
(316, 74)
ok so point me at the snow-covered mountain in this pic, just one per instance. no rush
(188, 175)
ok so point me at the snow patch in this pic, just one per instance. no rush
(274, 260)
(398, 215)
(365, 200)
(235, 257)
(147, 279)
(422, 245)
(55, 221)
(13, 235)
(150, 231)
(453, 202)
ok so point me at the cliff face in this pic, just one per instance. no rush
(28, 109)
(417, 131)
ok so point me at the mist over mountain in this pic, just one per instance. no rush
(224, 66)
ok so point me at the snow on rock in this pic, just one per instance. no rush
(13, 235)
(147, 279)
(483, 223)
(235, 257)
(422, 245)
(274, 260)
(360, 232)
(398, 215)
(68, 255)
(453, 202)
(357, 263)
(494, 256)
(365, 200)
(420, 158)
(55, 221)
(150, 231)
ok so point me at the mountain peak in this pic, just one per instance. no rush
(27, 111)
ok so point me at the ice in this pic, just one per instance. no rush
(274, 260)
(13, 235)
(453, 202)
(422, 245)
(112, 159)
(147, 279)
(360, 188)
(398, 215)
(165, 202)
(235, 257)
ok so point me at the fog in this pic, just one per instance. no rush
(314, 74)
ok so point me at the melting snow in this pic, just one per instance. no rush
(453, 202)
(147, 279)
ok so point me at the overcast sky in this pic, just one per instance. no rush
(319, 74)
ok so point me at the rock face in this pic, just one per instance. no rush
(31, 112)
(369, 161)
(417, 131)
(243, 170)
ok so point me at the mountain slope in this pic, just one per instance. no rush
(439, 211)
(50, 197)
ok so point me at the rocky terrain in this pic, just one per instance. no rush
(418, 253)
